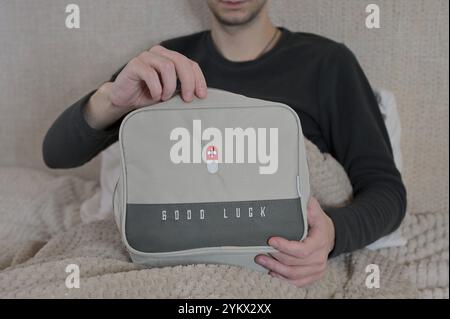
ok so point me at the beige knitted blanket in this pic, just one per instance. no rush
(41, 234)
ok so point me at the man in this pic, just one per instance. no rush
(246, 54)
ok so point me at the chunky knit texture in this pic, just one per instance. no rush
(41, 233)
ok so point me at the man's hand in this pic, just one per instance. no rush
(147, 79)
(302, 263)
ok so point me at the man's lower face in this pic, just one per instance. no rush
(236, 12)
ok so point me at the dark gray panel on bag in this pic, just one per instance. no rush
(147, 231)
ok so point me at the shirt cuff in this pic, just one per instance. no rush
(337, 215)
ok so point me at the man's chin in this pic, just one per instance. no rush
(234, 22)
(235, 18)
(236, 13)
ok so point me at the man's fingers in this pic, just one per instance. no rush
(184, 70)
(200, 82)
(166, 69)
(313, 211)
(294, 248)
(289, 272)
(317, 258)
(150, 77)
(274, 274)
(313, 259)
(275, 266)
(186, 76)
(286, 259)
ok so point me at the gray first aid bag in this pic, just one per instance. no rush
(210, 181)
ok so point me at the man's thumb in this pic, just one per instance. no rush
(313, 212)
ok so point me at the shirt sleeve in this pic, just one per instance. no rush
(354, 130)
(71, 142)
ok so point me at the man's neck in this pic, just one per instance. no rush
(244, 42)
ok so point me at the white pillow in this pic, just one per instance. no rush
(99, 206)
(389, 111)
(109, 176)
(388, 108)
(110, 168)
